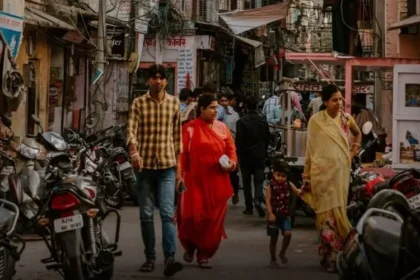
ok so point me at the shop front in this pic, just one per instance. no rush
(180, 56)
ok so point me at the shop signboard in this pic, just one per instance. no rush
(357, 88)
(11, 27)
(117, 38)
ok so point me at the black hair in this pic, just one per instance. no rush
(209, 87)
(156, 69)
(204, 101)
(281, 166)
(328, 91)
(184, 94)
(252, 103)
(224, 94)
(197, 92)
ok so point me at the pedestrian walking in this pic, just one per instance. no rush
(277, 203)
(185, 98)
(327, 167)
(231, 118)
(154, 139)
(252, 140)
(190, 112)
(203, 205)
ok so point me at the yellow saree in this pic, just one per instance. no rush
(327, 170)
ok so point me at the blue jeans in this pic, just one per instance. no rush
(160, 185)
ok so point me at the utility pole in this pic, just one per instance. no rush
(99, 95)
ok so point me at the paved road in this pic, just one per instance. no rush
(244, 255)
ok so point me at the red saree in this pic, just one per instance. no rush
(202, 207)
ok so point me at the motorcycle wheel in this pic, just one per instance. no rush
(132, 191)
(116, 202)
(71, 245)
(7, 264)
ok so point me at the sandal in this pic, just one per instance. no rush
(204, 264)
(283, 258)
(172, 267)
(148, 266)
(332, 267)
(188, 257)
(274, 264)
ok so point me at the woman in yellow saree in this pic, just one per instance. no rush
(327, 172)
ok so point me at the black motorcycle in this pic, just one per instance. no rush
(385, 244)
(73, 216)
(9, 242)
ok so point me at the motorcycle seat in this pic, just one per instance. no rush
(381, 186)
(382, 242)
(6, 219)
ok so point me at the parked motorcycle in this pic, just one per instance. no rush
(73, 217)
(9, 242)
(385, 243)
(361, 188)
(22, 185)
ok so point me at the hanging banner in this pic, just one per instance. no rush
(11, 27)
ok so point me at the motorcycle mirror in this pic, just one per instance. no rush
(6, 121)
(36, 120)
(367, 128)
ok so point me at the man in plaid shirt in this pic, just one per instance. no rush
(154, 139)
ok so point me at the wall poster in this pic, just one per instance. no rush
(406, 117)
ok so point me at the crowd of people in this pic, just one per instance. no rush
(196, 144)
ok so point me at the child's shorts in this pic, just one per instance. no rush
(282, 223)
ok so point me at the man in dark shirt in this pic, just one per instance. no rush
(252, 139)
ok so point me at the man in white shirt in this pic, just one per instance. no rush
(315, 104)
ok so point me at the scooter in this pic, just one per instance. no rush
(385, 244)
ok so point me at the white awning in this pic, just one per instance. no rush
(259, 56)
(40, 18)
(241, 21)
(405, 22)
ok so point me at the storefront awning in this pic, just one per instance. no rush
(406, 22)
(241, 21)
(40, 18)
(259, 56)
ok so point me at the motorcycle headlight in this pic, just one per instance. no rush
(58, 143)
(28, 152)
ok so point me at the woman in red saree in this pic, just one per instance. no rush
(202, 207)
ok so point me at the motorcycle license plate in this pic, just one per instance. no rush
(68, 223)
(414, 201)
(7, 170)
(124, 166)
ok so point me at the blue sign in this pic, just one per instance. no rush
(11, 27)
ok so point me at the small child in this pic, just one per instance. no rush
(277, 203)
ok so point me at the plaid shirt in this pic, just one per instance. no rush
(155, 129)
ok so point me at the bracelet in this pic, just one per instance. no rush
(356, 144)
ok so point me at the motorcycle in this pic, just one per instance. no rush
(73, 216)
(9, 242)
(384, 245)
(22, 186)
(361, 189)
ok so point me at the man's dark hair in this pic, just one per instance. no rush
(197, 92)
(156, 69)
(224, 94)
(184, 94)
(252, 103)
(204, 101)
(209, 87)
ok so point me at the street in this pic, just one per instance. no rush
(243, 255)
